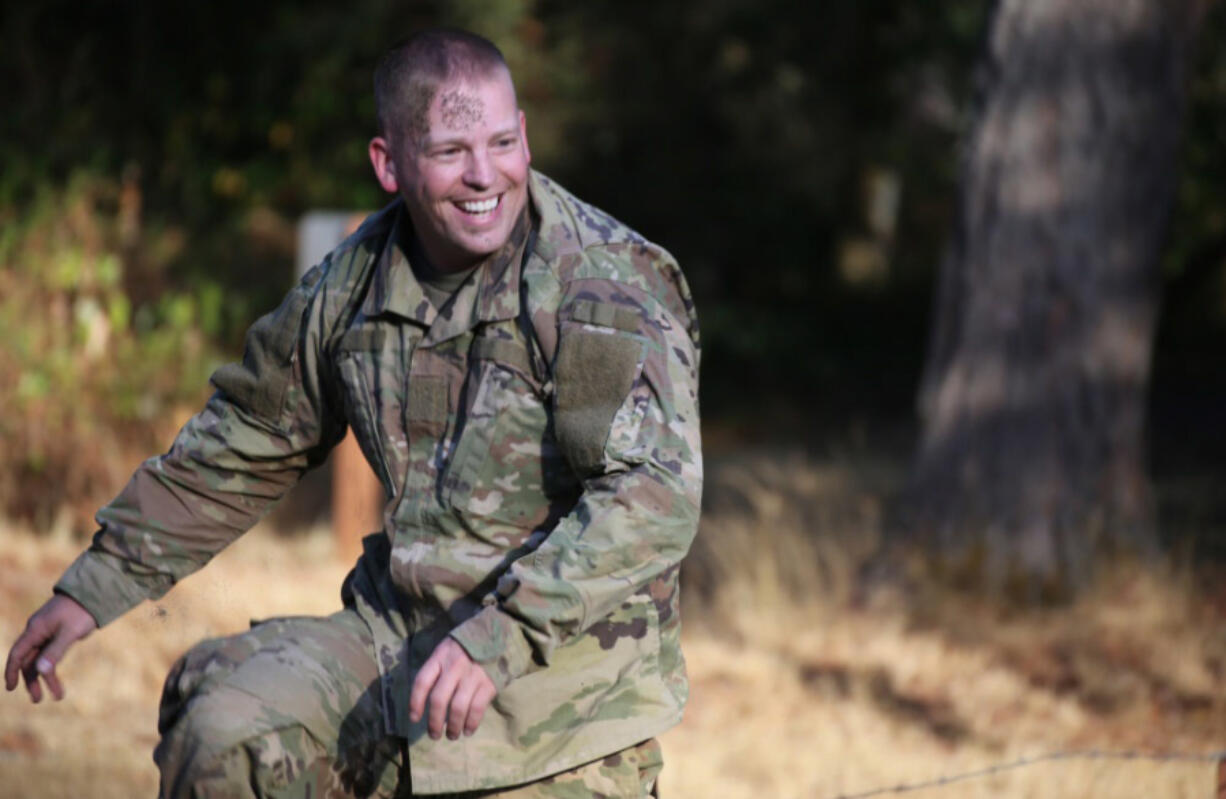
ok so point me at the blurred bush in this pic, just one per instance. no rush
(89, 381)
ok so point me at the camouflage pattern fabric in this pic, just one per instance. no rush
(286, 709)
(632, 772)
(538, 442)
(291, 708)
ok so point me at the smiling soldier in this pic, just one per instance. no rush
(520, 369)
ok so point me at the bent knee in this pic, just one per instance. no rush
(302, 668)
(202, 669)
(230, 744)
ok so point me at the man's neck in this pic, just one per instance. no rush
(427, 268)
(439, 285)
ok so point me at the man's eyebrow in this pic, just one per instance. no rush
(511, 129)
(428, 142)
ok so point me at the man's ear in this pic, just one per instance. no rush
(523, 135)
(380, 151)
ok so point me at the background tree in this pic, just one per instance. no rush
(1034, 396)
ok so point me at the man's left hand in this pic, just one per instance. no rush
(458, 690)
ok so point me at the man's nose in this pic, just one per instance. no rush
(479, 171)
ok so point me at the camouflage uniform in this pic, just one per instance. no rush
(538, 444)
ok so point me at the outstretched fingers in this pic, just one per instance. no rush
(22, 658)
(53, 628)
(15, 662)
(50, 657)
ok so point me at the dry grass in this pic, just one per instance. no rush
(98, 741)
(798, 689)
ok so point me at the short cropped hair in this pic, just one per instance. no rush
(410, 73)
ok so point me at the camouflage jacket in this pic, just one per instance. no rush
(538, 444)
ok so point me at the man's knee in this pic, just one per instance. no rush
(206, 664)
(228, 744)
(222, 748)
(289, 701)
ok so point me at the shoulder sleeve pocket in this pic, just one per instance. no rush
(595, 371)
(258, 383)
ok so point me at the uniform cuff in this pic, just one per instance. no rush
(96, 581)
(496, 643)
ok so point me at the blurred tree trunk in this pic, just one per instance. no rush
(1032, 456)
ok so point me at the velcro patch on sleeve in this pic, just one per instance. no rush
(605, 314)
(594, 373)
(259, 394)
(258, 384)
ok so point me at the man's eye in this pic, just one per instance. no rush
(447, 152)
(507, 142)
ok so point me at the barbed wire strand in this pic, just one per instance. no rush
(1023, 762)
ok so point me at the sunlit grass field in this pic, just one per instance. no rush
(801, 685)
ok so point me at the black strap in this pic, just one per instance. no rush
(404, 779)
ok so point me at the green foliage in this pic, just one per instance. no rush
(87, 379)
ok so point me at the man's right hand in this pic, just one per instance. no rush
(54, 627)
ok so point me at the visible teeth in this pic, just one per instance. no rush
(481, 207)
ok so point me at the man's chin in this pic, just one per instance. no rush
(483, 246)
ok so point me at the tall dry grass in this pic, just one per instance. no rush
(799, 688)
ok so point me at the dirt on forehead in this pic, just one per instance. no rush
(461, 110)
(459, 98)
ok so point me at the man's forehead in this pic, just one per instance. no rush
(459, 109)
(465, 101)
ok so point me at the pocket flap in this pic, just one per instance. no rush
(503, 351)
(606, 314)
(363, 339)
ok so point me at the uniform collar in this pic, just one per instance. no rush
(498, 277)
(394, 289)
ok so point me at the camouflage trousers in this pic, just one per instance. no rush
(292, 708)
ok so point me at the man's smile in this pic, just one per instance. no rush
(479, 208)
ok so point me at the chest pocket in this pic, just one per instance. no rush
(362, 361)
(506, 465)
